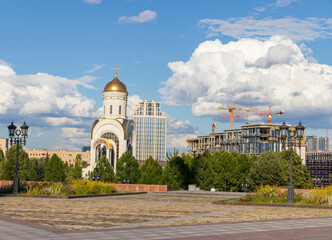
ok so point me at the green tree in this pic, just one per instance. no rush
(268, 169)
(245, 162)
(55, 170)
(204, 174)
(127, 168)
(104, 170)
(301, 176)
(27, 172)
(9, 165)
(75, 170)
(176, 173)
(39, 164)
(150, 172)
(227, 171)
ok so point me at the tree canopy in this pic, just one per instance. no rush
(127, 168)
(150, 172)
(104, 170)
(55, 170)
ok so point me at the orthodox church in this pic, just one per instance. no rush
(113, 134)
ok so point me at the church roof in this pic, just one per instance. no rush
(115, 85)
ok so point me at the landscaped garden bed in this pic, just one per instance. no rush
(276, 196)
(71, 189)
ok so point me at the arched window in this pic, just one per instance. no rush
(111, 109)
(120, 109)
(110, 135)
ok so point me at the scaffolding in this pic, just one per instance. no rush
(319, 164)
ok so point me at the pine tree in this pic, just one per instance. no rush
(104, 170)
(127, 168)
(150, 172)
(9, 165)
(55, 170)
(27, 172)
(227, 171)
(176, 173)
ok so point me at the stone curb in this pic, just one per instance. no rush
(224, 202)
(71, 197)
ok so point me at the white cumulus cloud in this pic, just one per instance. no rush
(293, 28)
(145, 16)
(44, 97)
(252, 73)
(131, 104)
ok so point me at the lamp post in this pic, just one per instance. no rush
(17, 136)
(285, 132)
(95, 177)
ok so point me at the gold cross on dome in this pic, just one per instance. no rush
(116, 70)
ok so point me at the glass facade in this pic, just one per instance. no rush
(151, 128)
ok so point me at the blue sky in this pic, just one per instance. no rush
(193, 56)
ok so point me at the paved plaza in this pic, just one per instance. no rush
(157, 216)
(319, 228)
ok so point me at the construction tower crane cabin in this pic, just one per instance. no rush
(113, 134)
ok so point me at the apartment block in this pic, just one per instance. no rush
(66, 156)
(4, 145)
(250, 139)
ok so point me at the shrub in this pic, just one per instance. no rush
(86, 187)
(9, 189)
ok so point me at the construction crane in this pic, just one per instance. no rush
(213, 127)
(256, 112)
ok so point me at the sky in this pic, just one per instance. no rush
(192, 56)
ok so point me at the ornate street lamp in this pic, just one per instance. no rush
(20, 138)
(292, 137)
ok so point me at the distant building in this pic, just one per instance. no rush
(250, 139)
(66, 156)
(312, 143)
(151, 128)
(319, 164)
(322, 143)
(4, 145)
(86, 148)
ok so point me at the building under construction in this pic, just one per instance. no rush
(250, 139)
(319, 164)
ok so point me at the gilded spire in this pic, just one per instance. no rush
(116, 70)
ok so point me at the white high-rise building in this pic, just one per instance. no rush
(150, 132)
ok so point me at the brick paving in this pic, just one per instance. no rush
(314, 228)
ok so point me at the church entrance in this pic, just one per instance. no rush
(104, 147)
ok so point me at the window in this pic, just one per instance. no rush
(111, 109)
(120, 109)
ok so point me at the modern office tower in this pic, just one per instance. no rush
(4, 145)
(322, 143)
(151, 128)
(312, 141)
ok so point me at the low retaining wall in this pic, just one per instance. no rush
(7, 182)
(141, 187)
(119, 187)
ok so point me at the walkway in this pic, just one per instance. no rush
(314, 228)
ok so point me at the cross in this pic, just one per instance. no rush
(116, 70)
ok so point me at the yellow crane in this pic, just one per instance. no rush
(258, 113)
(231, 111)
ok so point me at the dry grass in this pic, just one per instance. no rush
(105, 212)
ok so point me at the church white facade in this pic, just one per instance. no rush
(113, 134)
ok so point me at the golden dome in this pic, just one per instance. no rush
(115, 86)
